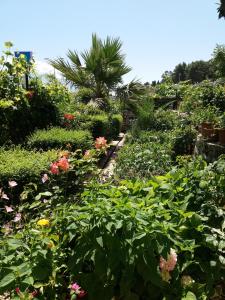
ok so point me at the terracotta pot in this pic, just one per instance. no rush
(207, 132)
(206, 125)
(221, 133)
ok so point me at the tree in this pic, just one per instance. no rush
(180, 73)
(221, 9)
(102, 68)
(219, 60)
(199, 70)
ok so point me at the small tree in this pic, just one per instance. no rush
(102, 67)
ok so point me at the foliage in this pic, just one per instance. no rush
(60, 95)
(60, 138)
(183, 141)
(221, 9)
(28, 109)
(204, 94)
(113, 244)
(206, 114)
(102, 68)
(196, 71)
(219, 60)
(116, 121)
(148, 155)
(23, 165)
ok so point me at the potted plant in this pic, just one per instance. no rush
(207, 117)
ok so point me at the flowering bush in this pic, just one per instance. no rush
(163, 238)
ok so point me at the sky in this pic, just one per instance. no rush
(156, 34)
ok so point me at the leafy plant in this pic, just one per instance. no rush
(60, 138)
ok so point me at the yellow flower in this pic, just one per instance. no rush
(43, 222)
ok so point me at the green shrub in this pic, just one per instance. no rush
(23, 165)
(116, 125)
(99, 125)
(183, 141)
(59, 138)
(142, 160)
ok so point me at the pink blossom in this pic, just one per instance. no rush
(44, 178)
(75, 287)
(63, 164)
(172, 260)
(12, 183)
(17, 217)
(100, 143)
(54, 169)
(170, 263)
(87, 154)
(4, 196)
(8, 208)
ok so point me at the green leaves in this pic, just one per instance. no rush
(189, 296)
(7, 279)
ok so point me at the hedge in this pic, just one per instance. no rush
(59, 138)
(23, 165)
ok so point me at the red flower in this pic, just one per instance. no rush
(82, 294)
(34, 293)
(100, 143)
(54, 169)
(17, 290)
(63, 164)
(69, 117)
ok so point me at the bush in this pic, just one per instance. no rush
(142, 160)
(60, 138)
(183, 141)
(116, 125)
(114, 245)
(22, 165)
(99, 126)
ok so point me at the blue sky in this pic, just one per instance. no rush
(156, 35)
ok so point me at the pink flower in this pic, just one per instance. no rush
(17, 290)
(75, 287)
(4, 196)
(63, 164)
(172, 260)
(44, 178)
(8, 208)
(100, 143)
(12, 183)
(87, 154)
(170, 263)
(17, 217)
(54, 169)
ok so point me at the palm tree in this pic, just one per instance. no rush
(221, 9)
(102, 68)
(130, 95)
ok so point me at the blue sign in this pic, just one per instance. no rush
(27, 54)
